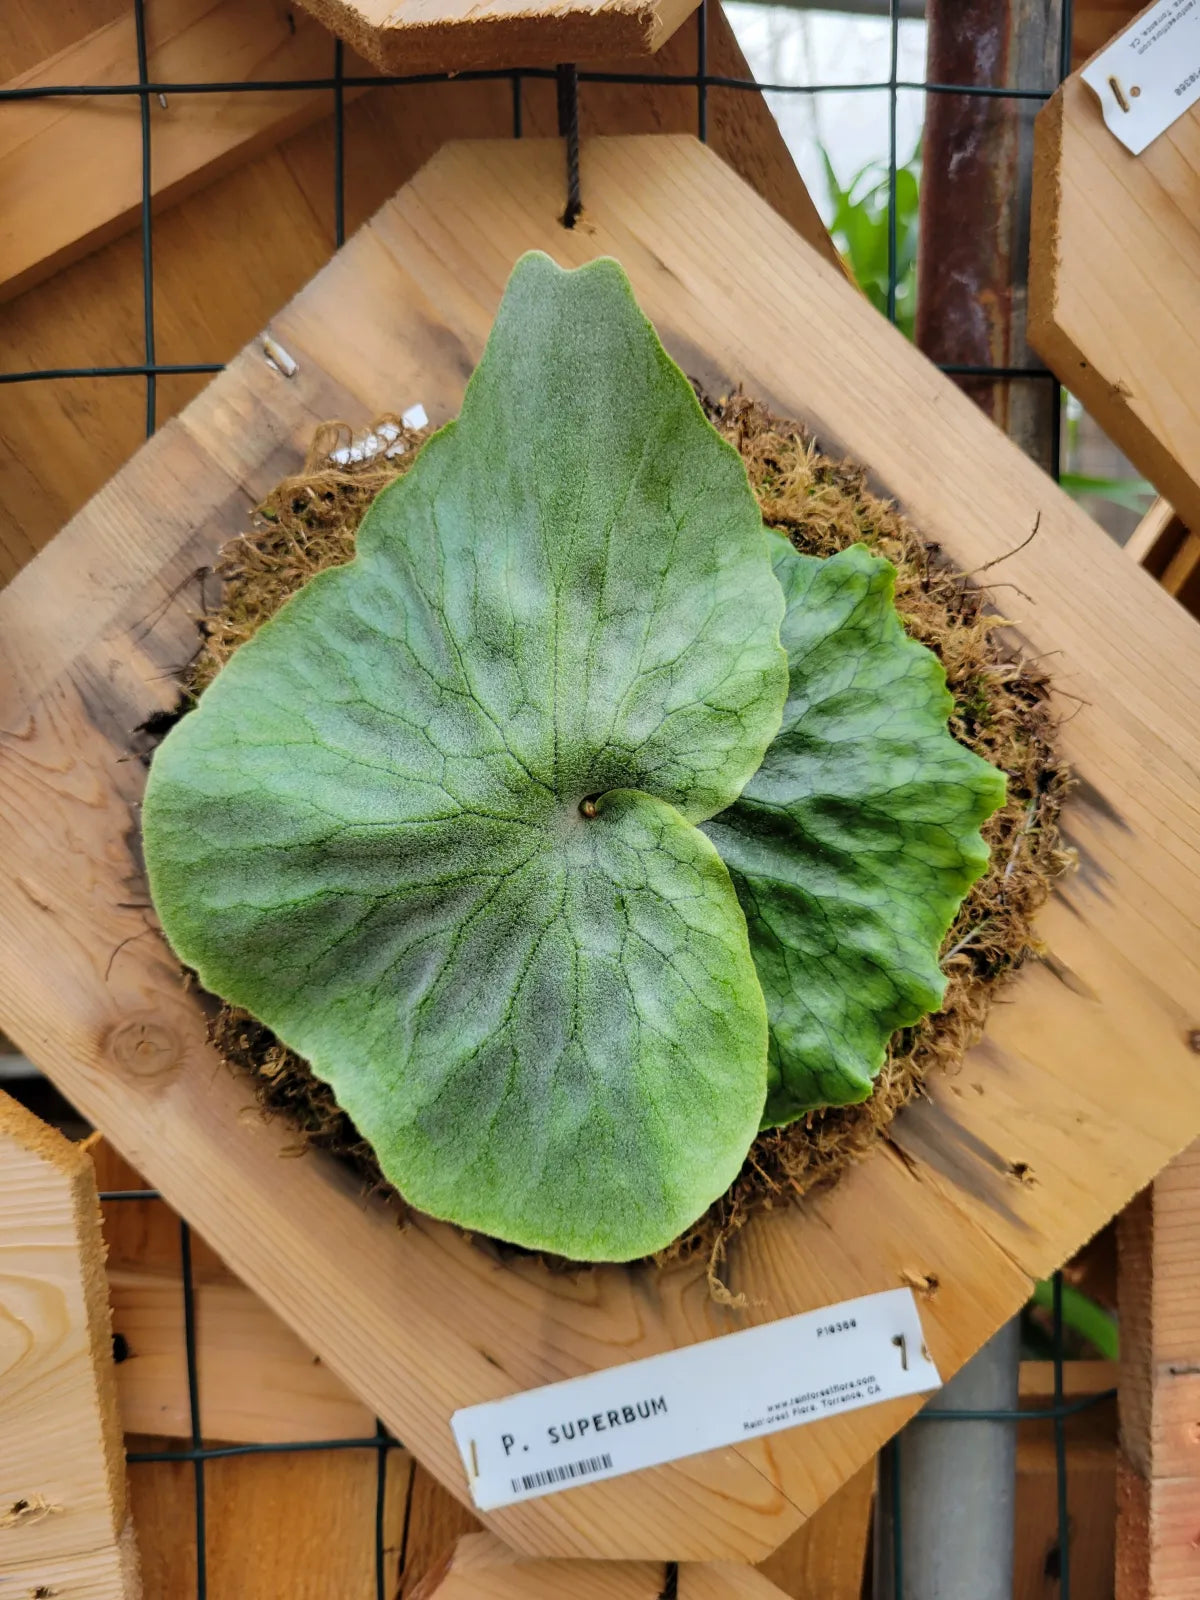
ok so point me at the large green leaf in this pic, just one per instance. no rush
(856, 840)
(372, 831)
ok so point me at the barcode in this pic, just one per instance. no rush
(576, 1469)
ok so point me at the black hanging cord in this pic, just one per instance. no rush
(567, 76)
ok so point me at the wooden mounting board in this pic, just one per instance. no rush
(405, 36)
(1114, 283)
(64, 1522)
(1084, 1087)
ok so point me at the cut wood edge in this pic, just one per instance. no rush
(1156, 538)
(1183, 565)
(481, 1567)
(453, 35)
(827, 1556)
(58, 1542)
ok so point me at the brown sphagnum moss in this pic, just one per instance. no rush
(1002, 712)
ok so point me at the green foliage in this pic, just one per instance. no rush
(852, 846)
(859, 226)
(369, 833)
(438, 824)
(1132, 494)
(1082, 1316)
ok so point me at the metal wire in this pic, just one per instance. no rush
(569, 82)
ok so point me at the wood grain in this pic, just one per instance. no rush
(70, 169)
(278, 1527)
(1181, 572)
(827, 1557)
(64, 1521)
(1115, 283)
(1095, 22)
(998, 1177)
(227, 258)
(481, 1568)
(1156, 538)
(435, 1521)
(1159, 1393)
(450, 35)
(1091, 1486)
(258, 1384)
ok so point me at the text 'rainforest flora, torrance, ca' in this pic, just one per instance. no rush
(578, 827)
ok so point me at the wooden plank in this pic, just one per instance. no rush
(259, 1384)
(71, 169)
(1115, 283)
(218, 281)
(299, 1526)
(1091, 1487)
(1079, 1378)
(481, 1568)
(999, 1176)
(435, 1521)
(450, 35)
(1183, 565)
(1167, 549)
(1159, 1394)
(827, 1556)
(64, 1522)
(1156, 538)
(1095, 22)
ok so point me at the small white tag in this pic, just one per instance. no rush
(1150, 74)
(716, 1393)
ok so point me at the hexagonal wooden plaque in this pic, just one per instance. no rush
(1087, 1081)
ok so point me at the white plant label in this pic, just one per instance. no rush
(720, 1392)
(1150, 74)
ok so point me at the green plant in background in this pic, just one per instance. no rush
(859, 226)
(1131, 494)
(525, 830)
(1092, 1327)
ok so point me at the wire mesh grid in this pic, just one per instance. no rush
(570, 83)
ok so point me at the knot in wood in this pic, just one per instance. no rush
(144, 1047)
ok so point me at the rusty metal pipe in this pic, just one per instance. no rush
(975, 190)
